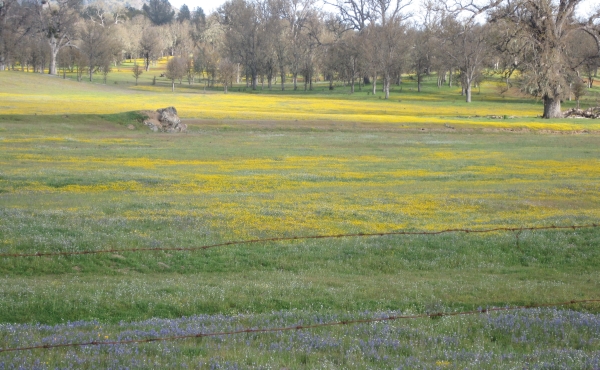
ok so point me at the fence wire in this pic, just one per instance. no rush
(517, 230)
(297, 327)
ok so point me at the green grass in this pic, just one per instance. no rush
(437, 108)
(40, 212)
(87, 181)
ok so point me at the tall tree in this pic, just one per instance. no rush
(421, 54)
(392, 46)
(98, 45)
(296, 15)
(150, 46)
(197, 26)
(57, 21)
(468, 50)
(227, 72)
(176, 70)
(243, 37)
(198, 17)
(18, 24)
(585, 58)
(381, 23)
(543, 27)
(159, 11)
(184, 14)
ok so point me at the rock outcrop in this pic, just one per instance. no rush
(165, 120)
(593, 112)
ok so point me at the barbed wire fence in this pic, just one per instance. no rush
(516, 230)
(296, 327)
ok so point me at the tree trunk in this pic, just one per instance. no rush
(295, 82)
(225, 87)
(418, 82)
(254, 80)
(386, 87)
(353, 74)
(552, 107)
(468, 92)
(374, 83)
(173, 86)
(54, 48)
(52, 67)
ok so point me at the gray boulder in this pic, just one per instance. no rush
(165, 120)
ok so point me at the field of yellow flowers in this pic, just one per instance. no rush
(75, 177)
(28, 93)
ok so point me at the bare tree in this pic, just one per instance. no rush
(347, 57)
(243, 36)
(103, 14)
(5, 28)
(189, 70)
(180, 42)
(131, 35)
(421, 54)
(176, 70)
(80, 64)
(391, 46)
(57, 21)
(105, 68)
(579, 90)
(543, 27)
(98, 45)
(584, 56)
(15, 25)
(380, 22)
(137, 71)
(227, 72)
(469, 50)
(295, 14)
(150, 46)
(311, 47)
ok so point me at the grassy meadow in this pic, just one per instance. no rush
(24, 93)
(78, 171)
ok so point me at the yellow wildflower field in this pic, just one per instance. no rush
(291, 178)
(56, 96)
(424, 188)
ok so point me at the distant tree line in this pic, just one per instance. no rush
(539, 46)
